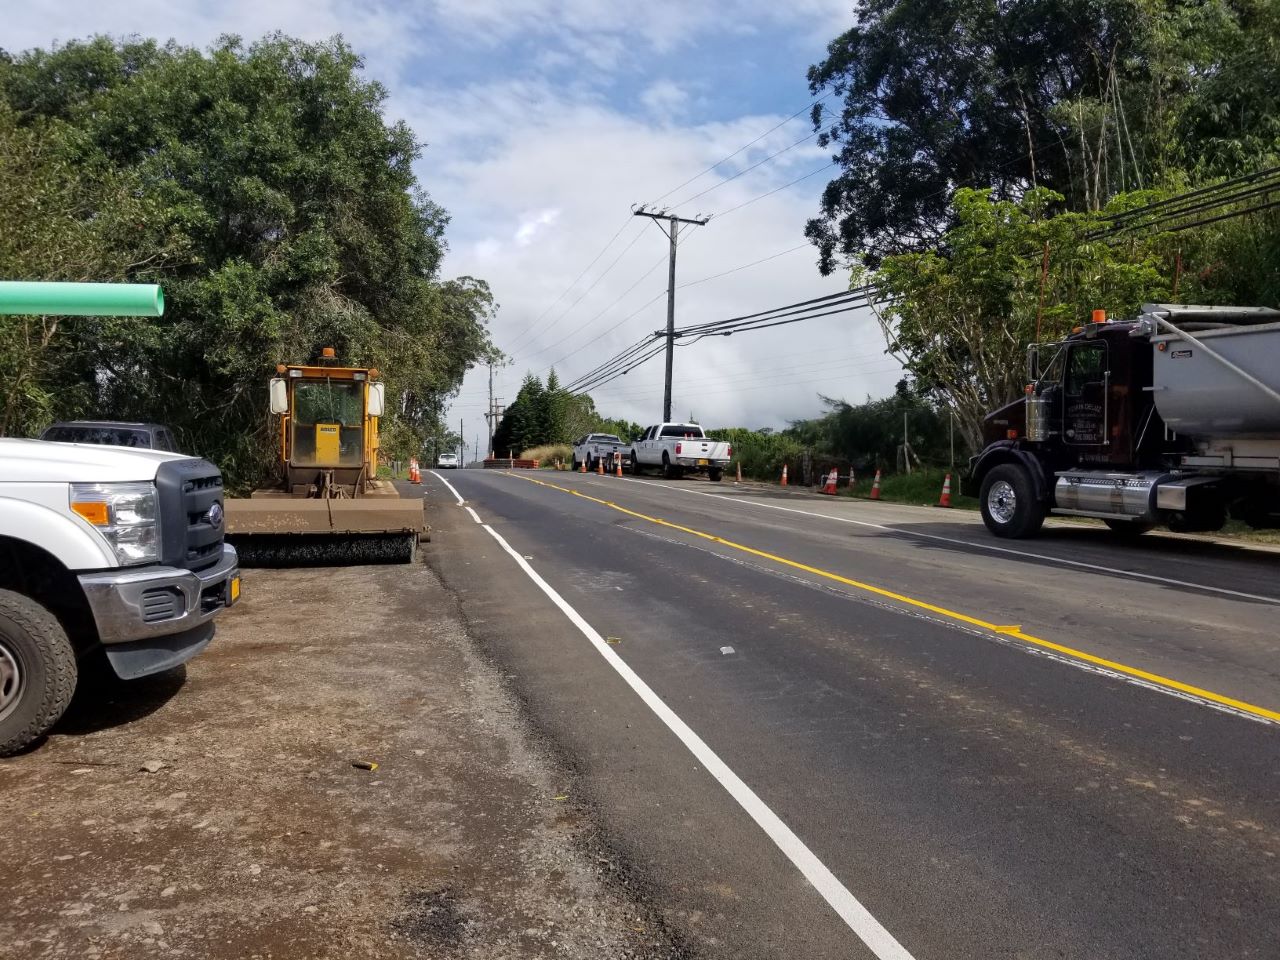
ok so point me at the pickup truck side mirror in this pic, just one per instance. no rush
(279, 395)
(377, 399)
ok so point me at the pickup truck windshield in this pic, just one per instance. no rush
(682, 430)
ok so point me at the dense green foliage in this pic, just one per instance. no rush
(985, 148)
(1088, 98)
(547, 415)
(960, 321)
(866, 436)
(261, 186)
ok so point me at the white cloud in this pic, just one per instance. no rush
(664, 99)
(578, 157)
(531, 225)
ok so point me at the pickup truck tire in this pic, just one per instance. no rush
(575, 464)
(669, 471)
(37, 671)
(715, 474)
(1009, 505)
(635, 464)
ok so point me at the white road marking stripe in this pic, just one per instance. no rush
(868, 929)
(474, 516)
(1093, 567)
(449, 485)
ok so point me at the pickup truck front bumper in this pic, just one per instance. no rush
(152, 618)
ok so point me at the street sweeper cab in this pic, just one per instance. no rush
(327, 505)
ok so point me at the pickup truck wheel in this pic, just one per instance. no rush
(668, 471)
(37, 671)
(715, 474)
(575, 464)
(635, 464)
(1009, 505)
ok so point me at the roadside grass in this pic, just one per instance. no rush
(921, 487)
(547, 454)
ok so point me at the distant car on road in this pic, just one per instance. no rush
(111, 433)
(447, 461)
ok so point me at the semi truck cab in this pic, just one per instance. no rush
(1169, 417)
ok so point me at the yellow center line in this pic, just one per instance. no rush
(1002, 630)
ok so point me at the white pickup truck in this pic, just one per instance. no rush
(595, 447)
(679, 448)
(102, 550)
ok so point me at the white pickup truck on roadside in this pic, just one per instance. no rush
(679, 448)
(103, 550)
(595, 447)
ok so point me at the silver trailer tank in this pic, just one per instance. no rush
(1200, 396)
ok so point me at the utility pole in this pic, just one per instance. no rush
(462, 446)
(494, 413)
(672, 231)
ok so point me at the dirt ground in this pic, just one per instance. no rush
(256, 836)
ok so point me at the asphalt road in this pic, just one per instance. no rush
(927, 743)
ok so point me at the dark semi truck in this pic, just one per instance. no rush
(1172, 417)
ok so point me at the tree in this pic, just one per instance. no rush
(1084, 97)
(300, 223)
(960, 321)
(61, 222)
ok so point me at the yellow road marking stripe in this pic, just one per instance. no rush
(1013, 631)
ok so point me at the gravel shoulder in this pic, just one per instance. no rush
(253, 835)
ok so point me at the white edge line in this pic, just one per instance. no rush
(450, 486)
(474, 516)
(1092, 567)
(860, 920)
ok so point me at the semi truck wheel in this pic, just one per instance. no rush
(37, 671)
(1009, 505)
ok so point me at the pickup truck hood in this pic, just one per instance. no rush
(39, 461)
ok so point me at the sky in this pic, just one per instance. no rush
(544, 123)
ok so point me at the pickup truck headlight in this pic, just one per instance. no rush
(124, 513)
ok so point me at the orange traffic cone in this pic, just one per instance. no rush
(414, 475)
(739, 480)
(617, 463)
(945, 499)
(875, 487)
(830, 486)
(582, 466)
(784, 475)
(600, 466)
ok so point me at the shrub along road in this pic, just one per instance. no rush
(828, 728)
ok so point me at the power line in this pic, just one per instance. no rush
(746, 170)
(792, 183)
(753, 263)
(594, 283)
(563, 293)
(750, 143)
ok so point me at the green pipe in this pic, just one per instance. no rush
(81, 299)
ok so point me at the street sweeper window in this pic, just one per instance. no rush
(328, 423)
